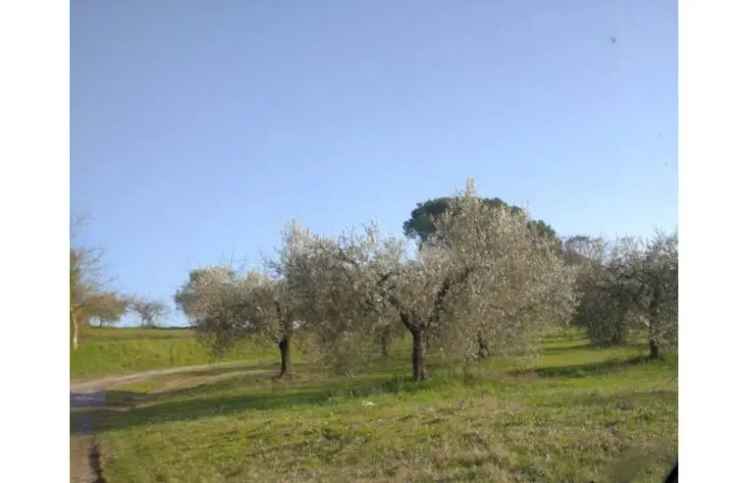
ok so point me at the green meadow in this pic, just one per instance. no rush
(577, 413)
(118, 351)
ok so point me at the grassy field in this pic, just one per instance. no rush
(577, 414)
(113, 351)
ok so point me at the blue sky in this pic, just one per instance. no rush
(198, 129)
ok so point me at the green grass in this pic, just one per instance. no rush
(114, 351)
(578, 414)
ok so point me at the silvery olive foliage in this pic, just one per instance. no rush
(481, 275)
(603, 304)
(334, 280)
(225, 305)
(505, 283)
(662, 276)
(629, 287)
(482, 283)
(648, 273)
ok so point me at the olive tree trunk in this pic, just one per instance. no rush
(419, 346)
(286, 358)
(653, 349)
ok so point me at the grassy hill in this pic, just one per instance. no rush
(577, 414)
(112, 351)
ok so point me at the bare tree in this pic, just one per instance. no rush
(106, 308)
(89, 298)
(85, 282)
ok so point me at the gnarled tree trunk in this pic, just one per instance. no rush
(653, 349)
(419, 339)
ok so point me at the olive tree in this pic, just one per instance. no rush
(662, 278)
(197, 296)
(226, 306)
(627, 286)
(332, 280)
(518, 282)
(602, 308)
(482, 274)
(648, 273)
(483, 278)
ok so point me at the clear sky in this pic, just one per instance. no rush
(198, 129)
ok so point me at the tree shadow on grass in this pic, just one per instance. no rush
(217, 371)
(197, 382)
(190, 409)
(221, 398)
(585, 370)
(587, 346)
(194, 403)
(553, 351)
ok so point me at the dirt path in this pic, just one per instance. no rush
(84, 453)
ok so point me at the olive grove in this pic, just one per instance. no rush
(482, 279)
